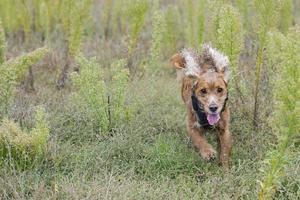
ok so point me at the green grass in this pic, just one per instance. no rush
(149, 157)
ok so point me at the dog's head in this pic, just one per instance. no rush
(210, 71)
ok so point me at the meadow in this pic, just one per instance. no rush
(90, 107)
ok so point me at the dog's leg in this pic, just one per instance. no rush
(225, 142)
(197, 136)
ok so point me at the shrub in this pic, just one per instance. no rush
(117, 92)
(244, 8)
(78, 15)
(213, 18)
(25, 17)
(104, 102)
(11, 71)
(267, 14)
(195, 22)
(21, 147)
(106, 18)
(230, 39)
(2, 44)
(91, 90)
(135, 15)
(286, 118)
(173, 31)
(6, 12)
(73, 15)
(158, 30)
(286, 15)
(45, 20)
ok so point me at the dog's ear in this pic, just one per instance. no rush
(226, 73)
(218, 61)
(178, 61)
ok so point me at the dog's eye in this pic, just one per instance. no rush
(220, 90)
(203, 91)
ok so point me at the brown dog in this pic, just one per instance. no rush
(204, 76)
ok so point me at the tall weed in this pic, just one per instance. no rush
(10, 73)
(230, 40)
(103, 101)
(286, 116)
(2, 44)
(158, 31)
(135, 15)
(267, 14)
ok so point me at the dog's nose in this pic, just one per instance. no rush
(213, 108)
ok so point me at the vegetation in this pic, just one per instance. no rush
(286, 118)
(157, 39)
(12, 71)
(135, 15)
(116, 128)
(268, 13)
(20, 148)
(230, 40)
(2, 44)
(105, 102)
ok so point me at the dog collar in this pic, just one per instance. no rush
(199, 110)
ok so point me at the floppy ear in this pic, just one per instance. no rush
(178, 61)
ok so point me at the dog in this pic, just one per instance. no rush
(204, 76)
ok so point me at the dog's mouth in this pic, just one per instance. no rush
(213, 118)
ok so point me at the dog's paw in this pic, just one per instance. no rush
(208, 154)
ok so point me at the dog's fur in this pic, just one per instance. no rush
(205, 74)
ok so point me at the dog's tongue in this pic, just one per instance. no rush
(213, 118)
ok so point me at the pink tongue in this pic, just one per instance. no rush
(213, 118)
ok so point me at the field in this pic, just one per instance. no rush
(90, 107)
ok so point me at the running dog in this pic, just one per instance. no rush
(204, 76)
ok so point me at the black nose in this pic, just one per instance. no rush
(213, 108)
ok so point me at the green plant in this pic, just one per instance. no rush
(195, 22)
(105, 102)
(2, 44)
(158, 30)
(118, 18)
(230, 39)
(173, 31)
(21, 147)
(286, 15)
(73, 14)
(25, 18)
(91, 90)
(213, 18)
(286, 117)
(135, 15)
(11, 72)
(107, 18)
(79, 13)
(45, 20)
(117, 91)
(244, 8)
(267, 14)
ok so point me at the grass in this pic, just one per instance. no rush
(150, 157)
(146, 154)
